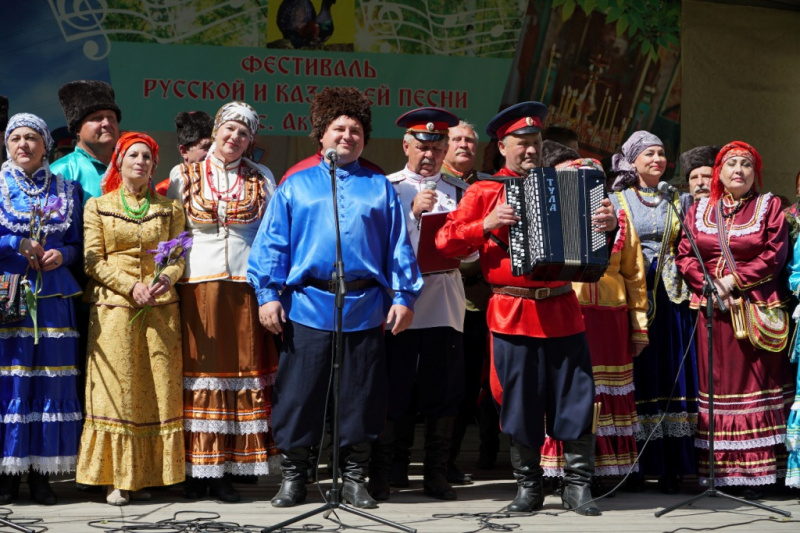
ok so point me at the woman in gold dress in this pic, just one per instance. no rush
(133, 435)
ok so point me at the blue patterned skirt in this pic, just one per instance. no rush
(666, 382)
(39, 407)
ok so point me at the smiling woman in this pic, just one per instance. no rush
(670, 455)
(228, 358)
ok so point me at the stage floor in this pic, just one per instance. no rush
(483, 500)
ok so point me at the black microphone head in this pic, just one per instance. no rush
(331, 155)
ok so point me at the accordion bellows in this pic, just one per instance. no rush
(554, 240)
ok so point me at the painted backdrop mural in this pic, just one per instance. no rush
(604, 67)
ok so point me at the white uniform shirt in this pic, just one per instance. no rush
(442, 302)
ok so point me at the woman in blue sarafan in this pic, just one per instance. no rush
(793, 422)
(670, 358)
(40, 415)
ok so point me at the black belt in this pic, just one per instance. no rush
(532, 293)
(330, 285)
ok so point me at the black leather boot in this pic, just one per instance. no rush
(380, 463)
(222, 489)
(403, 442)
(41, 492)
(294, 468)
(355, 459)
(528, 473)
(437, 451)
(9, 487)
(578, 472)
(454, 474)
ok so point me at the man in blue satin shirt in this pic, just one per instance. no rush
(290, 267)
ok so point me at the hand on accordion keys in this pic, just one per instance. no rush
(604, 218)
(501, 215)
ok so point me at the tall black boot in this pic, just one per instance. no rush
(40, 488)
(454, 474)
(294, 468)
(355, 459)
(578, 472)
(9, 487)
(437, 450)
(528, 472)
(403, 442)
(380, 463)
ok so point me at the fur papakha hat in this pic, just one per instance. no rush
(192, 126)
(554, 153)
(702, 156)
(3, 113)
(82, 98)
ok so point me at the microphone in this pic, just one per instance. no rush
(426, 186)
(666, 188)
(331, 155)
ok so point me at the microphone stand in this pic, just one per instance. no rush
(334, 499)
(709, 290)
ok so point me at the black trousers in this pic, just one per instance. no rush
(302, 384)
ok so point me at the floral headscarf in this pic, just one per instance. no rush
(622, 164)
(33, 122)
(112, 179)
(733, 149)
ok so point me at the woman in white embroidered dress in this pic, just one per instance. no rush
(40, 415)
(743, 239)
(229, 360)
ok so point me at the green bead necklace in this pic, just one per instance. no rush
(139, 212)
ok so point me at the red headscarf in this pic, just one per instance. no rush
(733, 149)
(112, 179)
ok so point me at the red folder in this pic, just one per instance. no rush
(429, 258)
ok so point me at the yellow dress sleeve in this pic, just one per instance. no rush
(632, 271)
(94, 252)
(177, 225)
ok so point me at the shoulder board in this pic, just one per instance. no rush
(396, 177)
(483, 175)
(455, 182)
(501, 179)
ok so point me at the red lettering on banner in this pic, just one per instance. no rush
(461, 100)
(149, 85)
(192, 85)
(237, 90)
(405, 98)
(384, 96)
(260, 92)
(281, 94)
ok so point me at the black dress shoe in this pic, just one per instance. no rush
(41, 492)
(195, 488)
(222, 490)
(456, 476)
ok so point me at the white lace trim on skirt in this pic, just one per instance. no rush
(749, 444)
(237, 384)
(41, 417)
(226, 427)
